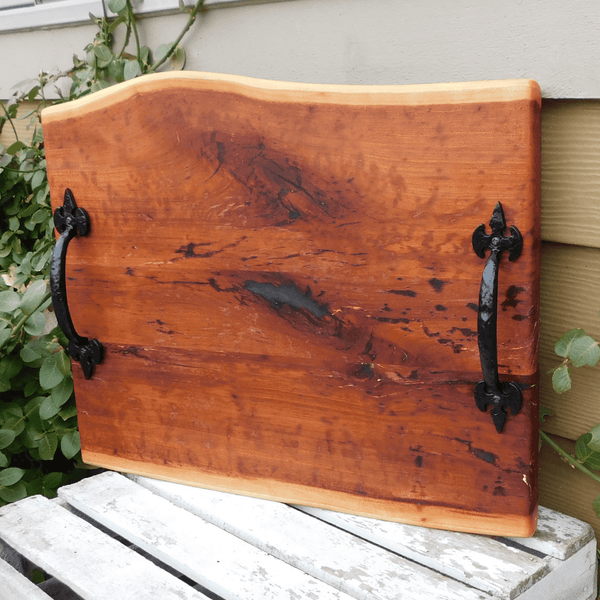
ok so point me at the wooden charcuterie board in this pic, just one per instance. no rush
(283, 280)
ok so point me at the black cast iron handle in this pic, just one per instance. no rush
(491, 390)
(70, 220)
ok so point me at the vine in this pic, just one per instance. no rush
(39, 439)
(577, 350)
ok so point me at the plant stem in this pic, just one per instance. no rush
(10, 121)
(190, 22)
(133, 26)
(567, 456)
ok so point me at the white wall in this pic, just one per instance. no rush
(556, 42)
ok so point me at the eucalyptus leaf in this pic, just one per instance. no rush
(561, 380)
(5, 336)
(10, 366)
(33, 296)
(47, 446)
(35, 324)
(161, 51)
(9, 301)
(102, 52)
(585, 454)
(117, 6)
(39, 177)
(4, 460)
(50, 373)
(131, 70)
(11, 475)
(48, 409)
(594, 441)
(13, 493)
(15, 147)
(7, 437)
(596, 505)
(177, 61)
(70, 444)
(563, 346)
(62, 392)
(584, 351)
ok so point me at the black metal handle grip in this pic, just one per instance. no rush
(70, 220)
(491, 390)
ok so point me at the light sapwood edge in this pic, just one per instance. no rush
(267, 90)
(436, 517)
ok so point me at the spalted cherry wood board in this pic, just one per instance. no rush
(283, 280)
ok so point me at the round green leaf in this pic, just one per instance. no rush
(50, 373)
(33, 296)
(10, 476)
(178, 59)
(48, 409)
(70, 444)
(10, 366)
(38, 178)
(132, 69)
(13, 493)
(4, 336)
(35, 324)
(7, 437)
(584, 351)
(594, 441)
(4, 462)
(563, 346)
(102, 52)
(9, 301)
(161, 52)
(62, 392)
(15, 147)
(47, 446)
(585, 454)
(561, 380)
(117, 6)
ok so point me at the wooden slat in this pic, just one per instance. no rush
(15, 586)
(213, 558)
(92, 564)
(571, 172)
(557, 535)
(572, 579)
(570, 298)
(480, 562)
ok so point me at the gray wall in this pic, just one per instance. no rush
(556, 42)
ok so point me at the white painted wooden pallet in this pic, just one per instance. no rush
(112, 537)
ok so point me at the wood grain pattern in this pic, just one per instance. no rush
(282, 276)
(570, 159)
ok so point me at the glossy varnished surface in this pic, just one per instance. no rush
(283, 280)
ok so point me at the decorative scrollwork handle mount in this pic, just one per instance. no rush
(491, 391)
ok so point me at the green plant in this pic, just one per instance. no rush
(577, 350)
(39, 439)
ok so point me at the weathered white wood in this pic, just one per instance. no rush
(206, 554)
(480, 562)
(92, 564)
(572, 579)
(15, 586)
(557, 535)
